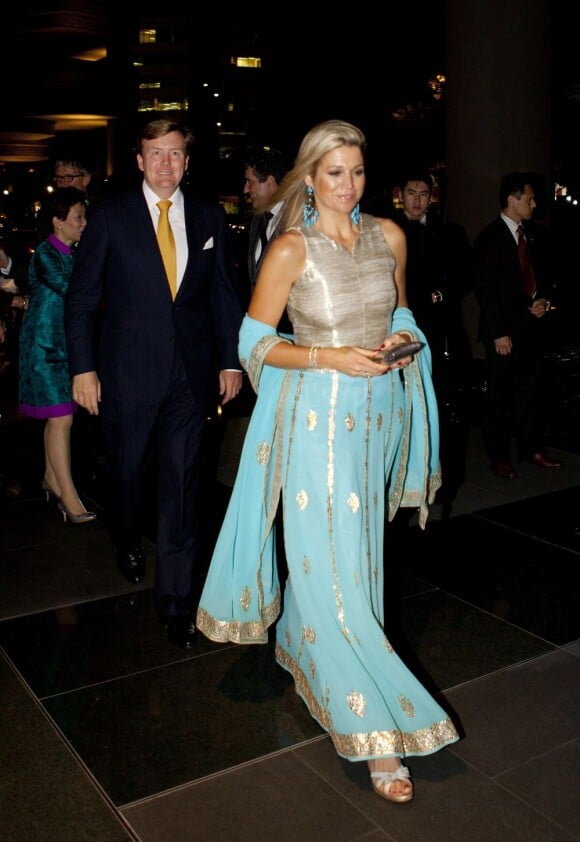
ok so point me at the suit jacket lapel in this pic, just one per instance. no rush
(194, 236)
(253, 241)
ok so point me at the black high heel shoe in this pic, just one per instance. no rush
(84, 517)
(49, 491)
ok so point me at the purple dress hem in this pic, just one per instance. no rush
(47, 411)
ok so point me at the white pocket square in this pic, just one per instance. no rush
(208, 244)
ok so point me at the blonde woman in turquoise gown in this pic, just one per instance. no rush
(333, 428)
(44, 382)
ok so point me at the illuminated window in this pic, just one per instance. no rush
(147, 36)
(146, 86)
(246, 61)
(163, 105)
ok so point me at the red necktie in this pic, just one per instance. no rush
(526, 268)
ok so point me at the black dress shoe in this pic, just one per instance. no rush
(542, 461)
(180, 631)
(132, 565)
(504, 469)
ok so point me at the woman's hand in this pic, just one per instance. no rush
(393, 342)
(354, 361)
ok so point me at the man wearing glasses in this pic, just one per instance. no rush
(71, 172)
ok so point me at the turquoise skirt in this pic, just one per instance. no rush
(342, 435)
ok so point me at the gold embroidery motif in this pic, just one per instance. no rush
(353, 502)
(302, 500)
(262, 452)
(312, 669)
(311, 420)
(349, 422)
(306, 564)
(357, 703)
(309, 634)
(380, 421)
(288, 637)
(246, 598)
(406, 706)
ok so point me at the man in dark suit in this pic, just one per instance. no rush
(263, 173)
(439, 273)
(151, 380)
(264, 169)
(513, 287)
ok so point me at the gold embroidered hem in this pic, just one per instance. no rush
(234, 631)
(373, 744)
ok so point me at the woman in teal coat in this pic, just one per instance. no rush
(44, 379)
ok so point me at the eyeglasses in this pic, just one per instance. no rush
(68, 177)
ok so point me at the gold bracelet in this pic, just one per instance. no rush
(312, 361)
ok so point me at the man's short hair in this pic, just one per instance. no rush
(416, 174)
(267, 162)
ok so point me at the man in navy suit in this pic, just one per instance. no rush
(264, 170)
(514, 292)
(150, 375)
(263, 173)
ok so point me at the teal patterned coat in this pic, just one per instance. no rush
(44, 379)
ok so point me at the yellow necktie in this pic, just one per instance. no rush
(167, 245)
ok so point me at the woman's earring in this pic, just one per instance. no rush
(309, 212)
(355, 214)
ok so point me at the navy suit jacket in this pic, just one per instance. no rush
(120, 318)
(254, 237)
(284, 325)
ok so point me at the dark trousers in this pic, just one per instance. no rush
(513, 404)
(169, 433)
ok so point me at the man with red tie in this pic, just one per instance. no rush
(160, 262)
(513, 287)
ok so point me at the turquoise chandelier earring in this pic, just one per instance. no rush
(355, 214)
(309, 212)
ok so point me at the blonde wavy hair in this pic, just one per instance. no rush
(320, 140)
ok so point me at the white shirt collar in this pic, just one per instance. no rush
(513, 226)
(276, 209)
(422, 219)
(152, 198)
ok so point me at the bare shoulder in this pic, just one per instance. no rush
(391, 229)
(288, 247)
(289, 242)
